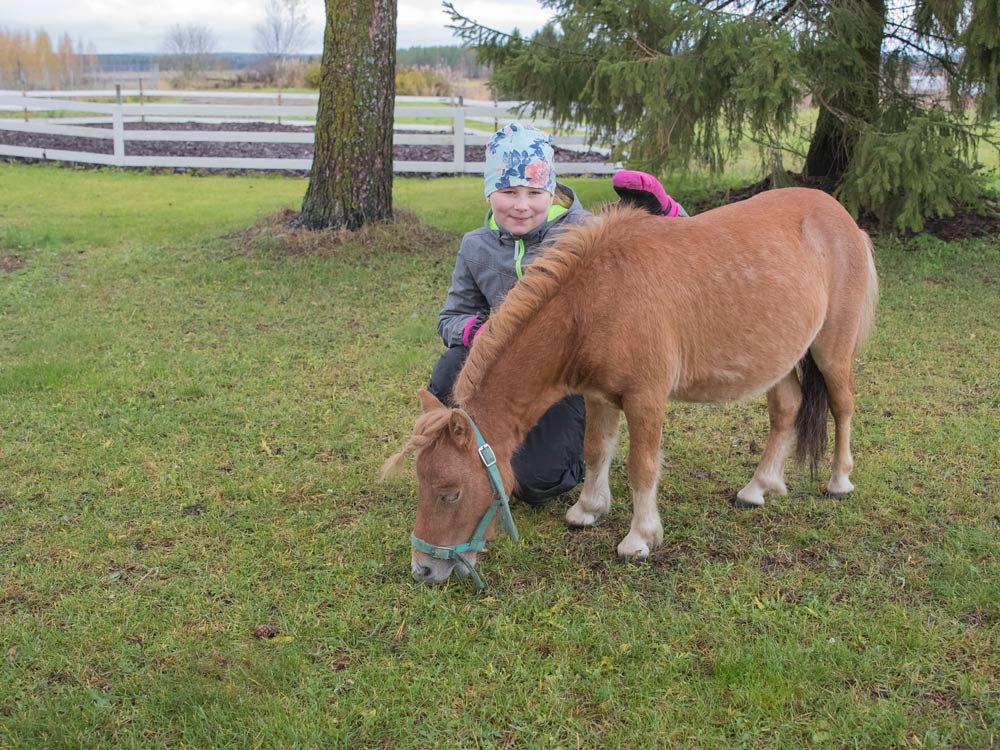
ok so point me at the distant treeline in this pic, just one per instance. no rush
(31, 60)
(461, 61)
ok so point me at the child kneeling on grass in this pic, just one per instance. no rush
(527, 210)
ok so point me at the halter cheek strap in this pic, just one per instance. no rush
(500, 503)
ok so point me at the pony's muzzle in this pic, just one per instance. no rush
(429, 571)
(432, 572)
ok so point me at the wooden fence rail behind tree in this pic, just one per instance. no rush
(419, 121)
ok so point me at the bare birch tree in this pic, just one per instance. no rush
(283, 32)
(191, 47)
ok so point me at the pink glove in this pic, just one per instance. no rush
(472, 329)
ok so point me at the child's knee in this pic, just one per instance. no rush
(537, 484)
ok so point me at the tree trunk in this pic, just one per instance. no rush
(351, 180)
(839, 124)
(831, 147)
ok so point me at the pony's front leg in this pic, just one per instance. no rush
(645, 427)
(598, 451)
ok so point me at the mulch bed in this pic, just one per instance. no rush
(967, 221)
(401, 152)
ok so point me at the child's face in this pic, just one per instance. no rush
(520, 209)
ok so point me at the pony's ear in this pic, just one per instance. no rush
(428, 401)
(460, 429)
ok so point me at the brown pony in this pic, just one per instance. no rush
(633, 310)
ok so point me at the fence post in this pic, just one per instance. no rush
(24, 88)
(458, 128)
(118, 127)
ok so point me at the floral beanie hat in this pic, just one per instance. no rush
(520, 155)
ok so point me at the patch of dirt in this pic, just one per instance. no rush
(10, 262)
(966, 222)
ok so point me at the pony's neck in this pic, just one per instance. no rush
(520, 388)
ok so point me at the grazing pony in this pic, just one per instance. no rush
(632, 310)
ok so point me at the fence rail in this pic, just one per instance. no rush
(81, 114)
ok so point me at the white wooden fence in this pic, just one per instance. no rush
(76, 113)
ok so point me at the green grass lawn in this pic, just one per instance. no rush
(191, 427)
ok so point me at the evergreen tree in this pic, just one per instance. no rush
(351, 180)
(675, 83)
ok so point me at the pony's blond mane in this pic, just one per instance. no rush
(543, 279)
(429, 428)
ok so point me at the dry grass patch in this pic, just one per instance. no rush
(275, 235)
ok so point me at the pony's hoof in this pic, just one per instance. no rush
(838, 488)
(633, 550)
(838, 495)
(748, 500)
(577, 519)
(752, 496)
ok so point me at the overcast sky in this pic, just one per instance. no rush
(139, 25)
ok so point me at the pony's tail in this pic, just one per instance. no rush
(810, 421)
(870, 301)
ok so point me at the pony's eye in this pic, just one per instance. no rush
(450, 497)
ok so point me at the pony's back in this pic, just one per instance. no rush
(700, 293)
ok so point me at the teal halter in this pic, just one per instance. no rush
(478, 542)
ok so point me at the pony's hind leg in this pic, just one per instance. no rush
(840, 390)
(833, 352)
(782, 405)
(599, 444)
(645, 428)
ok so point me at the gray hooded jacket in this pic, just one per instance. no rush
(490, 262)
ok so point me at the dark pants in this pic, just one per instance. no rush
(550, 461)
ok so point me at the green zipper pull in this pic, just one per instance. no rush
(518, 256)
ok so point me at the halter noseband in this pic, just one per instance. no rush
(478, 542)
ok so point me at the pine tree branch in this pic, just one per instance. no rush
(646, 49)
(923, 34)
(946, 63)
(725, 4)
(972, 132)
(773, 144)
(466, 27)
(784, 13)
